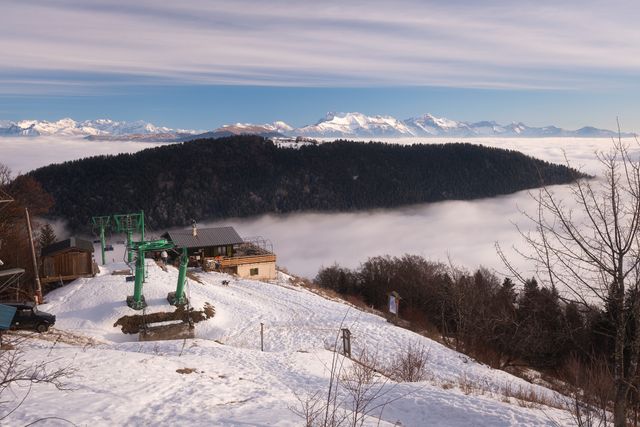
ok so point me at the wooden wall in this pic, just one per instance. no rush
(66, 264)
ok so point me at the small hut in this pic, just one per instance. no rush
(67, 260)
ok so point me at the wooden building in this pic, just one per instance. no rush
(221, 248)
(67, 260)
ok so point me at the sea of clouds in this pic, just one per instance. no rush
(23, 154)
(463, 232)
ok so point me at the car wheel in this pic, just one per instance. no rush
(42, 328)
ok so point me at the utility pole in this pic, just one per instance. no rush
(33, 258)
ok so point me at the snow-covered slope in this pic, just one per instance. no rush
(123, 382)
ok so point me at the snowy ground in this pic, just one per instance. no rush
(120, 381)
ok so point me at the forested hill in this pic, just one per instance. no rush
(247, 175)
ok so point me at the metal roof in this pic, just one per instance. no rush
(70, 243)
(11, 272)
(218, 236)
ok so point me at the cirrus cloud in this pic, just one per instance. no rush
(495, 44)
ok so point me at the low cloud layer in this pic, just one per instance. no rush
(25, 154)
(463, 231)
(76, 46)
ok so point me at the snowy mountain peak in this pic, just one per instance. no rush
(278, 128)
(70, 127)
(355, 124)
(282, 126)
(440, 121)
(333, 125)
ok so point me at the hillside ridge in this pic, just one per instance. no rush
(247, 175)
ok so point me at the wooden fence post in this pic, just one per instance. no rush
(346, 342)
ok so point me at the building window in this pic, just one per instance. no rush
(253, 272)
(221, 250)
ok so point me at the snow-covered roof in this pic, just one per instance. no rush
(205, 237)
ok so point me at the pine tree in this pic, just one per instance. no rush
(47, 235)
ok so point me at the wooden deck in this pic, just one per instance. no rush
(227, 262)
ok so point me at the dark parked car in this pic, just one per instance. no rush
(29, 317)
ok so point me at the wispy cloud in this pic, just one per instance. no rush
(498, 44)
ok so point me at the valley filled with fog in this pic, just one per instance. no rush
(463, 232)
(23, 154)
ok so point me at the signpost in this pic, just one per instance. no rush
(346, 342)
(394, 303)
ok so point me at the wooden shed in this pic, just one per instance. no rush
(67, 260)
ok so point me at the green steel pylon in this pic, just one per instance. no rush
(178, 297)
(130, 223)
(136, 301)
(102, 222)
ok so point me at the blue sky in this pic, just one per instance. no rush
(200, 64)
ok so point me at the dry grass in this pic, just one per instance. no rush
(529, 396)
(409, 365)
(526, 396)
(467, 386)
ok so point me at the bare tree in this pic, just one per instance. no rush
(5, 175)
(360, 389)
(590, 249)
(589, 392)
(16, 371)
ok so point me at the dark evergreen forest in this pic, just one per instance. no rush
(248, 175)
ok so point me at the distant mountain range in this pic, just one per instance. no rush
(333, 125)
(70, 127)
